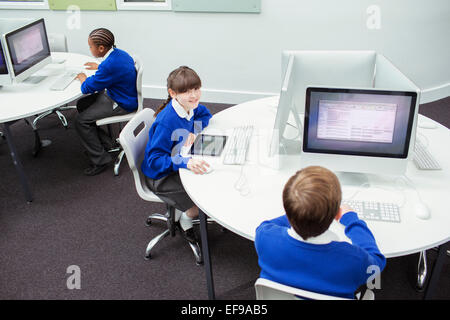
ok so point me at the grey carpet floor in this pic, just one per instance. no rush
(98, 224)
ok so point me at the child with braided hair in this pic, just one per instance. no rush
(112, 91)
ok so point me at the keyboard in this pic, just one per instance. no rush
(375, 211)
(237, 145)
(423, 158)
(63, 82)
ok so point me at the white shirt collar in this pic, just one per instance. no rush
(180, 110)
(107, 54)
(324, 238)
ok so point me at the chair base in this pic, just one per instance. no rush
(196, 250)
(422, 271)
(57, 111)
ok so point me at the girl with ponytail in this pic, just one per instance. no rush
(177, 121)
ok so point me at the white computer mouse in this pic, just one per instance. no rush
(209, 169)
(427, 125)
(421, 211)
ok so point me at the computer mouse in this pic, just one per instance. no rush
(209, 169)
(421, 211)
(427, 125)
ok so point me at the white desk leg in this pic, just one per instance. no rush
(206, 256)
(17, 163)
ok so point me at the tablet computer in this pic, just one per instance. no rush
(208, 145)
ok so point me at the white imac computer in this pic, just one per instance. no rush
(301, 69)
(27, 50)
(359, 130)
(5, 77)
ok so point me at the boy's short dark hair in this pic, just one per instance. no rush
(312, 198)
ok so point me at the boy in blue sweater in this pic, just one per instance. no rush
(112, 92)
(177, 122)
(298, 250)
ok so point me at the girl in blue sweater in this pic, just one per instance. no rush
(112, 92)
(177, 122)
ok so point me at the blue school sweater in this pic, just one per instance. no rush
(166, 137)
(336, 268)
(117, 74)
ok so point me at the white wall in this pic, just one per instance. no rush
(238, 55)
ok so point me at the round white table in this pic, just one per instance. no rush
(22, 100)
(241, 197)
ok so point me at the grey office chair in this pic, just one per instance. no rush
(271, 290)
(125, 118)
(133, 138)
(58, 43)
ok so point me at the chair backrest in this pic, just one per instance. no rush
(57, 42)
(270, 290)
(139, 73)
(133, 139)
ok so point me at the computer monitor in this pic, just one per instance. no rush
(301, 69)
(347, 69)
(27, 50)
(359, 130)
(5, 77)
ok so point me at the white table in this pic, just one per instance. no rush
(242, 212)
(22, 100)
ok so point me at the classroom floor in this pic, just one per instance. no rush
(98, 224)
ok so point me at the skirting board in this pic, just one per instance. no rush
(435, 93)
(235, 97)
(210, 95)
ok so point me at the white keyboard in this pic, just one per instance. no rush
(423, 158)
(375, 211)
(63, 82)
(237, 145)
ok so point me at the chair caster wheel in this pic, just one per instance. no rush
(199, 263)
(148, 257)
(148, 222)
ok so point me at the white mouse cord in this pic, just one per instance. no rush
(409, 183)
(241, 184)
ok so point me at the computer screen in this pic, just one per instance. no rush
(3, 67)
(302, 69)
(27, 46)
(358, 122)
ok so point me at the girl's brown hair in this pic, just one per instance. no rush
(312, 198)
(180, 80)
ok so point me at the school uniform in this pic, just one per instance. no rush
(163, 160)
(321, 264)
(112, 92)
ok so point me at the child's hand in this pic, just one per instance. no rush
(190, 140)
(343, 210)
(91, 65)
(82, 77)
(197, 166)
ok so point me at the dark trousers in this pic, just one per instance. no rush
(93, 138)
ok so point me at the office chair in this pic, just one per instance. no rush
(58, 43)
(125, 118)
(422, 269)
(271, 290)
(133, 138)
